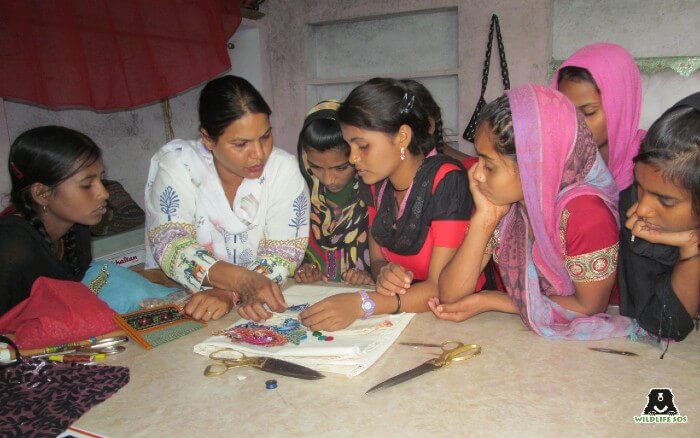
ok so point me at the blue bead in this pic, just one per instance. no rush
(271, 384)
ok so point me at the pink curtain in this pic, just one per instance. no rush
(111, 54)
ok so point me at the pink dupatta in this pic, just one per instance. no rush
(617, 76)
(557, 161)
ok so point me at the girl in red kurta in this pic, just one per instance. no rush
(421, 203)
(546, 212)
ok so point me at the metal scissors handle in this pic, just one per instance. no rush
(454, 351)
(224, 362)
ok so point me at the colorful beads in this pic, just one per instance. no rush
(266, 335)
(254, 336)
(298, 307)
(318, 335)
(289, 325)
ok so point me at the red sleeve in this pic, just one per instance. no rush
(590, 226)
(591, 239)
(449, 233)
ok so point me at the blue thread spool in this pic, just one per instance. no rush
(271, 384)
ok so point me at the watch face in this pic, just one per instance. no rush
(366, 306)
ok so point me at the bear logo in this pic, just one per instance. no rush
(660, 402)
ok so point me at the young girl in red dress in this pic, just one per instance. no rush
(546, 212)
(421, 203)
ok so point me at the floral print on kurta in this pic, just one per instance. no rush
(190, 224)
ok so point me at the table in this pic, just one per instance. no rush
(521, 384)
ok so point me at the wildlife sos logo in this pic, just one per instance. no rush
(660, 408)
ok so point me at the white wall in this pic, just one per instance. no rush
(647, 28)
(129, 138)
(526, 29)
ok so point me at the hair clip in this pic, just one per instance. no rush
(407, 103)
(18, 173)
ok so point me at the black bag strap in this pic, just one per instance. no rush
(470, 130)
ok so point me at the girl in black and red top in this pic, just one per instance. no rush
(421, 203)
(57, 193)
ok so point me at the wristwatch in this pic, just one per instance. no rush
(368, 305)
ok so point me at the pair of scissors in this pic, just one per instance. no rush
(419, 344)
(228, 358)
(107, 346)
(452, 351)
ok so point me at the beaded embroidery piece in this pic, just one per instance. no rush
(266, 335)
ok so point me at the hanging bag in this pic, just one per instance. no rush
(470, 131)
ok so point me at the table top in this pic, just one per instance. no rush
(520, 384)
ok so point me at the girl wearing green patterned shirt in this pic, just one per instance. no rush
(338, 247)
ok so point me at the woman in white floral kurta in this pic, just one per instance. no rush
(230, 211)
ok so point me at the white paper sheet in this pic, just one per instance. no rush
(352, 351)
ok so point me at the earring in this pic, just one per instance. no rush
(44, 209)
(402, 155)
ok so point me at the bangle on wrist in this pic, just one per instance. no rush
(206, 275)
(398, 304)
(205, 280)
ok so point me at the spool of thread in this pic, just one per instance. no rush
(271, 384)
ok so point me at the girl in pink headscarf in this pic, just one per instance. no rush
(546, 212)
(602, 80)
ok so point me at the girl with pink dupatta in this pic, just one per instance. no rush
(602, 81)
(546, 212)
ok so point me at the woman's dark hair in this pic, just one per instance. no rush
(498, 116)
(48, 155)
(433, 109)
(225, 100)
(576, 74)
(322, 135)
(384, 105)
(672, 145)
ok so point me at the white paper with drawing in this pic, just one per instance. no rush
(349, 351)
